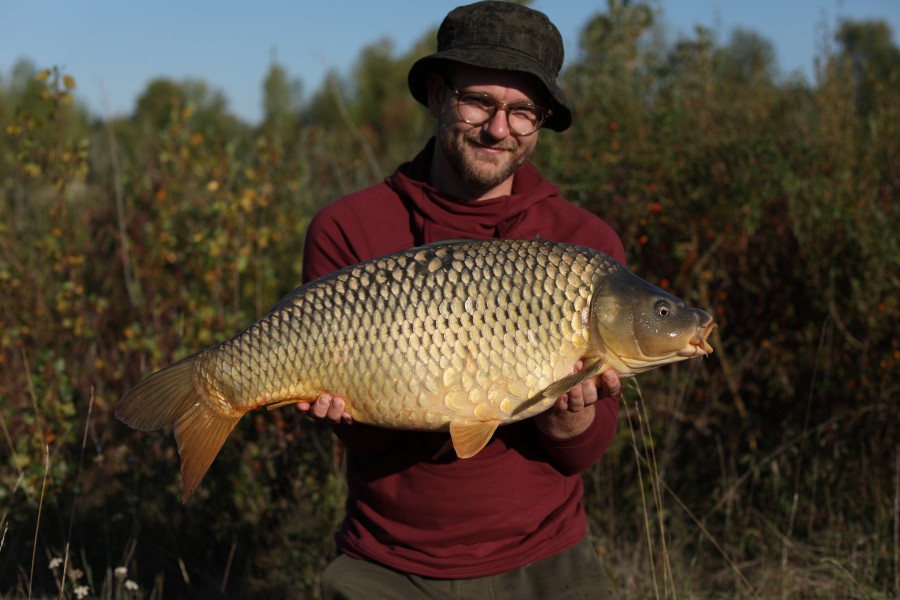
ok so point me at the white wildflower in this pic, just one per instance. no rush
(130, 585)
(54, 564)
(81, 591)
(121, 572)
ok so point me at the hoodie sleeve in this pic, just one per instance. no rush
(326, 248)
(579, 453)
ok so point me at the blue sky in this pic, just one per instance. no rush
(114, 48)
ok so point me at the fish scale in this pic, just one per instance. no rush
(464, 335)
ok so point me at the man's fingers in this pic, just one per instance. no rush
(320, 407)
(611, 383)
(335, 409)
(326, 407)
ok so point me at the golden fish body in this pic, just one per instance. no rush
(458, 336)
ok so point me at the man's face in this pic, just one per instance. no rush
(486, 156)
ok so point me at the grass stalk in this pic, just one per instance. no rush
(228, 567)
(37, 525)
(709, 537)
(655, 480)
(795, 499)
(646, 511)
(754, 466)
(87, 424)
(12, 447)
(896, 516)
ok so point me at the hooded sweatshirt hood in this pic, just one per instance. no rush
(436, 217)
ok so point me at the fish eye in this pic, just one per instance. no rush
(663, 309)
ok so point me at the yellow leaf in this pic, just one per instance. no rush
(43, 75)
(69, 82)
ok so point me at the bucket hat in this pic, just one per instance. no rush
(503, 36)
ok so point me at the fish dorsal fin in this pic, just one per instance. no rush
(469, 438)
(440, 243)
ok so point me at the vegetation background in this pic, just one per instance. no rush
(771, 469)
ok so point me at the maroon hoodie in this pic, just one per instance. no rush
(519, 499)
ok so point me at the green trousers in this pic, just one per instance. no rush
(573, 574)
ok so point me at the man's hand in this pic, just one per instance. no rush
(326, 407)
(573, 412)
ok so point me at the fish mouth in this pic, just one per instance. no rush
(698, 344)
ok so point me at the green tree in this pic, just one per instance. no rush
(867, 48)
(164, 100)
(373, 103)
(158, 104)
(281, 99)
(747, 59)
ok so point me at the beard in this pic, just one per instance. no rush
(481, 173)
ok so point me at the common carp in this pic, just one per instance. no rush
(458, 336)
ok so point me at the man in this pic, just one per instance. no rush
(508, 522)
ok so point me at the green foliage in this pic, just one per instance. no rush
(280, 98)
(768, 469)
(774, 204)
(386, 123)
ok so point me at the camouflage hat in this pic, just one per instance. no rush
(504, 36)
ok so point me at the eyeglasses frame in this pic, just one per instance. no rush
(542, 113)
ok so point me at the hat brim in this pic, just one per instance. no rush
(493, 58)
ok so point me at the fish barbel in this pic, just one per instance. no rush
(458, 336)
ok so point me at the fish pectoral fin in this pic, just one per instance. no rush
(469, 438)
(560, 387)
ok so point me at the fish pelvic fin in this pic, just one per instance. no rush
(469, 438)
(170, 397)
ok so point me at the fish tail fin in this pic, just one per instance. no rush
(169, 397)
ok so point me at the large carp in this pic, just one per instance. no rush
(461, 336)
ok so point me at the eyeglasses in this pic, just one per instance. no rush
(477, 108)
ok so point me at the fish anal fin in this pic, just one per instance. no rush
(470, 437)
